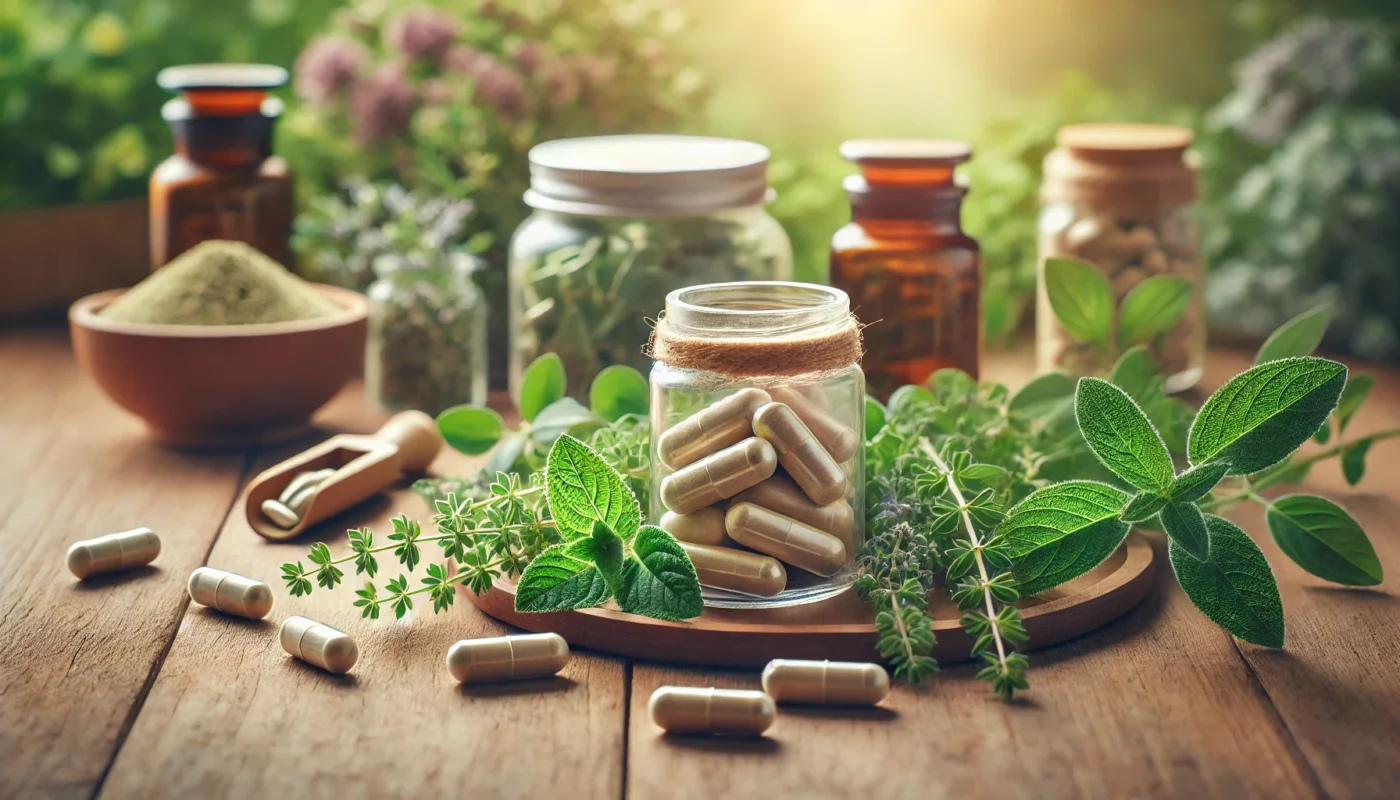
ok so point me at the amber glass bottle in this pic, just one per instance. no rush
(912, 274)
(223, 181)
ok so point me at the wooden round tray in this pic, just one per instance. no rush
(840, 629)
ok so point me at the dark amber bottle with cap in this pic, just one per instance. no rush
(912, 274)
(223, 182)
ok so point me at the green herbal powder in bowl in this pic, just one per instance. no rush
(220, 283)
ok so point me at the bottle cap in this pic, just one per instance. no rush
(906, 162)
(1127, 168)
(220, 76)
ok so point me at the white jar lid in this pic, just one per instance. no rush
(647, 175)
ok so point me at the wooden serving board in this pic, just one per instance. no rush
(840, 629)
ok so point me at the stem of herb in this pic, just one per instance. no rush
(1252, 489)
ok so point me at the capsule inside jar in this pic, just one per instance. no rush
(737, 570)
(780, 494)
(840, 440)
(800, 453)
(710, 429)
(719, 476)
(705, 526)
(785, 539)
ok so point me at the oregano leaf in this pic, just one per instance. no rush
(1081, 298)
(563, 577)
(1299, 336)
(470, 429)
(1143, 506)
(1152, 308)
(1322, 538)
(1196, 482)
(1061, 532)
(608, 555)
(1185, 525)
(1354, 461)
(583, 488)
(1357, 388)
(1046, 391)
(617, 391)
(1263, 414)
(1121, 435)
(658, 579)
(541, 384)
(874, 417)
(565, 415)
(1135, 374)
(1235, 588)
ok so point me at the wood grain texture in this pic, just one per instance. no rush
(76, 657)
(231, 715)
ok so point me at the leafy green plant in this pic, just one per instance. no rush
(1082, 299)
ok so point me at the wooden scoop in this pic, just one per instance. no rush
(364, 466)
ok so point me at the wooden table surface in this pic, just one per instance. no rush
(120, 688)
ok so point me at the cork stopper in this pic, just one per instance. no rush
(1125, 168)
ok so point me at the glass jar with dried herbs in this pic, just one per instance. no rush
(618, 223)
(427, 332)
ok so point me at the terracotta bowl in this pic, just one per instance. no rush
(222, 385)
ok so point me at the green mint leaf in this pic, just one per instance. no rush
(1121, 435)
(584, 489)
(1357, 388)
(1152, 308)
(1354, 461)
(1061, 532)
(1299, 336)
(1322, 538)
(1143, 506)
(607, 555)
(1185, 525)
(1042, 396)
(1173, 418)
(1235, 588)
(617, 391)
(541, 384)
(874, 417)
(562, 578)
(470, 429)
(658, 580)
(909, 395)
(1324, 433)
(1081, 299)
(1135, 374)
(560, 417)
(1195, 483)
(1263, 414)
(503, 458)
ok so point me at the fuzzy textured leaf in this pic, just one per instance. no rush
(608, 555)
(1235, 588)
(584, 489)
(1121, 435)
(561, 578)
(541, 385)
(659, 581)
(1322, 538)
(1143, 506)
(1081, 298)
(1185, 525)
(1263, 414)
(1061, 532)
(1357, 388)
(1152, 308)
(1299, 336)
(1196, 482)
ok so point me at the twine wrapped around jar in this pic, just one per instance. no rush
(802, 353)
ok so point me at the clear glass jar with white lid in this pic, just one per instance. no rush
(758, 453)
(618, 223)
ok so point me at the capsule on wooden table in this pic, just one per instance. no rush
(785, 539)
(309, 479)
(280, 515)
(800, 453)
(736, 712)
(508, 658)
(737, 570)
(780, 494)
(230, 593)
(319, 644)
(710, 429)
(832, 683)
(113, 552)
(719, 476)
(840, 440)
(705, 526)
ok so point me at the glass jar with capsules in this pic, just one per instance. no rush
(757, 414)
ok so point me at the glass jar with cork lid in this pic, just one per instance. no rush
(1120, 197)
(757, 415)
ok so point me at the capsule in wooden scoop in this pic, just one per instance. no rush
(711, 429)
(831, 683)
(800, 453)
(230, 593)
(280, 514)
(737, 570)
(719, 476)
(839, 440)
(705, 526)
(319, 644)
(508, 658)
(780, 494)
(785, 539)
(113, 552)
(302, 488)
(686, 709)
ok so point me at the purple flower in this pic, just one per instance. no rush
(499, 87)
(425, 33)
(327, 66)
(527, 58)
(463, 58)
(381, 105)
(560, 83)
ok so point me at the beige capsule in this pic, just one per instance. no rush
(785, 539)
(705, 526)
(278, 512)
(230, 593)
(686, 709)
(719, 476)
(508, 658)
(297, 505)
(800, 453)
(710, 429)
(319, 644)
(832, 683)
(840, 440)
(780, 494)
(737, 570)
(113, 552)
(308, 478)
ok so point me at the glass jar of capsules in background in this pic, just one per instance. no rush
(757, 409)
